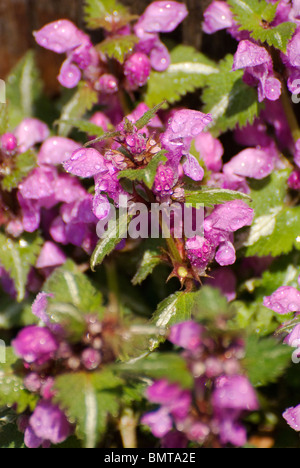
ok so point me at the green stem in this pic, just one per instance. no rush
(290, 114)
(113, 287)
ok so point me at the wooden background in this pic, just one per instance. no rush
(18, 18)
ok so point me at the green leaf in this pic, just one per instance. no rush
(209, 303)
(88, 399)
(275, 229)
(213, 196)
(108, 14)
(18, 257)
(146, 175)
(24, 163)
(117, 230)
(11, 437)
(174, 309)
(256, 17)
(74, 297)
(148, 116)
(254, 317)
(83, 126)
(229, 100)
(188, 71)
(117, 47)
(82, 101)
(160, 365)
(12, 391)
(149, 261)
(266, 360)
(23, 87)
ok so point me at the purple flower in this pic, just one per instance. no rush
(49, 423)
(252, 162)
(60, 36)
(231, 216)
(35, 345)
(63, 36)
(69, 75)
(85, 162)
(29, 133)
(50, 256)
(162, 17)
(39, 307)
(56, 150)
(165, 180)
(294, 180)
(175, 400)
(286, 299)
(107, 84)
(217, 16)
(91, 359)
(292, 417)
(232, 431)
(258, 67)
(200, 252)
(293, 54)
(234, 393)
(8, 142)
(160, 422)
(226, 254)
(187, 335)
(293, 339)
(210, 150)
(193, 169)
(158, 17)
(183, 127)
(137, 70)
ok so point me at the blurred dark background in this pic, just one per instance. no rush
(18, 18)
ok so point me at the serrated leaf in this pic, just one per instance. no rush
(265, 360)
(108, 14)
(213, 196)
(275, 229)
(149, 261)
(160, 365)
(23, 87)
(82, 101)
(256, 17)
(88, 399)
(146, 175)
(229, 100)
(18, 257)
(188, 71)
(148, 116)
(74, 294)
(117, 47)
(12, 390)
(83, 126)
(117, 230)
(24, 163)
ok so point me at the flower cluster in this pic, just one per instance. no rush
(221, 394)
(46, 352)
(84, 61)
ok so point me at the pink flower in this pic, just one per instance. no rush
(286, 299)
(210, 150)
(258, 66)
(187, 335)
(35, 345)
(29, 133)
(217, 16)
(56, 150)
(137, 70)
(292, 417)
(234, 393)
(49, 423)
(252, 162)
